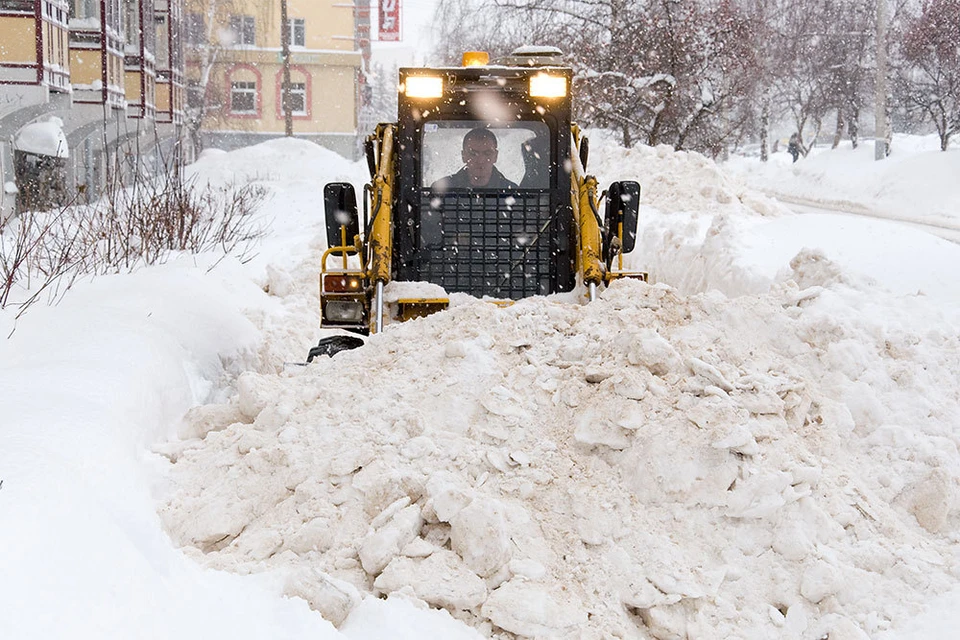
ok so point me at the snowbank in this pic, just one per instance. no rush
(87, 386)
(917, 181)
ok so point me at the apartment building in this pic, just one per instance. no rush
(89, 89)
(235, 71)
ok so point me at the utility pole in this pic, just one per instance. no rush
(880, 143)
(285, 54)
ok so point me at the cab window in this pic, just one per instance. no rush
(522, 154)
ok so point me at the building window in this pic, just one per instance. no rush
(243, 98)
(133, 23)
(298, 98)
(245, 30)
(162, 46)
(85, 9)
(195, 29)
(24, 6)
(298, 32)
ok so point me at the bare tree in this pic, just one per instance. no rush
(659, 71)
(928, 78)
(494, 26)
(208, 36)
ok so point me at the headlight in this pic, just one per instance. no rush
(342, 283)
(424, 87)
(343, 311)
(544, 85)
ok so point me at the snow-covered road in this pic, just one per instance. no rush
(943, 230)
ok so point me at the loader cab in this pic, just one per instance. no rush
(511, 236)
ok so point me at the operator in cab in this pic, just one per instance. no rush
(479, 155)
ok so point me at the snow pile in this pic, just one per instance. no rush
(778, 465)
(693, 246)
(674, 181)
(282, 160)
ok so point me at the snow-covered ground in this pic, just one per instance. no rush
(916, 182)
(760, 444)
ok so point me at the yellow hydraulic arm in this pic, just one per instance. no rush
(585, 199)
(380, 235)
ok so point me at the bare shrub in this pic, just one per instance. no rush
(43, 253)
(145, 224)
(38, 255)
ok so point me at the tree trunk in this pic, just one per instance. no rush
(764, 130)
(854, 128)
(838, 134)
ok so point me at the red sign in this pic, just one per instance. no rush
(389, 20)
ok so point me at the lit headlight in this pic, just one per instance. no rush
(544, 85)
(424, 87)
(342, 283)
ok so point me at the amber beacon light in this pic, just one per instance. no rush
(476, 58)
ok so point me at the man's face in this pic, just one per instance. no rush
(479, 154)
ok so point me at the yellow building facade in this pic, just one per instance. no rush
(235, 70)
(106, 76)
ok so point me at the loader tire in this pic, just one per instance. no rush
(333, 345)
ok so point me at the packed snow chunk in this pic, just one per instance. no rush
(630, 385)
(711, 373)
(279, 282)
(792, 538)
(385, 544)
(671, 621)
(203, 419)
(255, 392)
(739, 440)
(398, 618)
(812, 268)
(596, 429)
(333, 599)
(837, 627)
(758, 496)
(442, 580)
(448, 497)
(930, 500)
(651, 350)
(479, 534)
(532, 610)
(819, 581)
(314, 535)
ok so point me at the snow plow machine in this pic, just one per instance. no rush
(479, 187)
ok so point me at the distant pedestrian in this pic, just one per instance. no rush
(793, 148)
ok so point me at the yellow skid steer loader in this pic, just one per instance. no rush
(479, 187)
